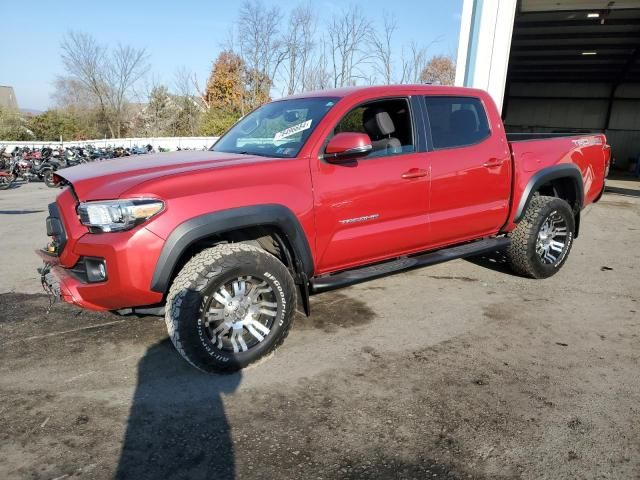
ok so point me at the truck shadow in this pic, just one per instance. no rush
(496, 261)
(177, 427)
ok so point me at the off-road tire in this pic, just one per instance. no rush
(521, 254)
(214, 266)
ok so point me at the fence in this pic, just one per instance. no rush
(172, 143)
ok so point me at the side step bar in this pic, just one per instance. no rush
(358, 275)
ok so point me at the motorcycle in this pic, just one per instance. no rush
(21, 168)
(44, 170)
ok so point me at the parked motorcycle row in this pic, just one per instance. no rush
(27, 165)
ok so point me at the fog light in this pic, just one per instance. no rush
(96, 270)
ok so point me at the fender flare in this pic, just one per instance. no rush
(546, 175)
(203, 226)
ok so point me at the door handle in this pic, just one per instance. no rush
(415, 173)
(493, 162)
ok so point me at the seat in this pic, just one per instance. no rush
(379, 126)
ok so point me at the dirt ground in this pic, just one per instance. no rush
(457, 371)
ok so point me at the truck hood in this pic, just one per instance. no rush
(108, 179)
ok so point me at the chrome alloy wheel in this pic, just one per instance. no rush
(552, 238)
(240, 313)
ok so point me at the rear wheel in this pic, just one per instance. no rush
(5, 181)
(229, 306)
(48, 179)
(541, 242)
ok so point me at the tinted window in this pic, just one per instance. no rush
(387, 122)
(456, 121)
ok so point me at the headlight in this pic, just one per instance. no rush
(118, 215)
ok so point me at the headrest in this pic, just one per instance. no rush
(377, 122)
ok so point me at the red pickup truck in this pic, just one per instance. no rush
(306, 194)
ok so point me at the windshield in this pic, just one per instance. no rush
(277, 129)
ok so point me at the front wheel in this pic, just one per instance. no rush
(229, 306)
(541, 242)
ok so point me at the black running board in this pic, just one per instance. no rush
(358, 275)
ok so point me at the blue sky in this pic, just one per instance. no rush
(187, 33)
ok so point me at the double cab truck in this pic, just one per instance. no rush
(306, 194)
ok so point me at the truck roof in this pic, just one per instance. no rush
(388, 90)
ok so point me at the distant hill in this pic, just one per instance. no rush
(30, 111)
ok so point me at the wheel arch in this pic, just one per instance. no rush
(561, 181)
(233, 225)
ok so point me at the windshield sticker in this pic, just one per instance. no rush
(287, 132)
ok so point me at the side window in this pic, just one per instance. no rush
(387, 122)
(456, 121)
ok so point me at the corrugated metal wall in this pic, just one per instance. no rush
(559, 107)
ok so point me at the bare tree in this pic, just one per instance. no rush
(260, 47)
(299, 44)
(414, 59)
(318, 76)
(108, 77)
(188, 99)
(125, 67)
(382, 49)
(348, 33)
(84, 61)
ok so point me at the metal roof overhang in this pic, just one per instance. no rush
(576, 41)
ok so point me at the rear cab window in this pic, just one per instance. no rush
(456, 121)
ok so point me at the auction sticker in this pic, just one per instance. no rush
(287, 132)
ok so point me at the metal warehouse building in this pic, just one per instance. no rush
(558, 66)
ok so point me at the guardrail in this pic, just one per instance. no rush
(172, 143)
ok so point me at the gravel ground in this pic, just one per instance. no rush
(461, 370)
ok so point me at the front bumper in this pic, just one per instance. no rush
(130, 258)
(61, 285)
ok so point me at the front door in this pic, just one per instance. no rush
(376, 207)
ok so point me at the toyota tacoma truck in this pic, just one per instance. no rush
(306, 194)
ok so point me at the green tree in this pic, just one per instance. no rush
(216, 121)
(53, 124)
(13, 126)
(159, 112)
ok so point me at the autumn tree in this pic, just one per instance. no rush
(439, 70)
(225, 88)
(226, 94)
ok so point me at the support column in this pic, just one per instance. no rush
(484, 45)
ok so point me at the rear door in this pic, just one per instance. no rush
(470, 166)
(376, 207)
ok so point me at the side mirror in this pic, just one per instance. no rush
(347, 146)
